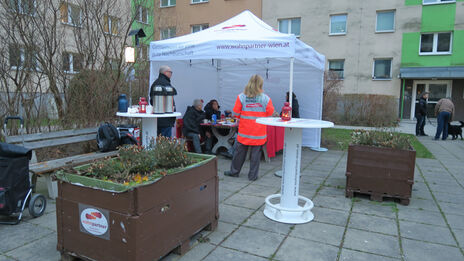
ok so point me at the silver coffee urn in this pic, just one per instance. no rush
(169, 99)
(158, 97)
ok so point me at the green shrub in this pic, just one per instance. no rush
(368, 110)
(171, 153)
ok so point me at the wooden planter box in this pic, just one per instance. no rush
(380, 172)
(143, 223)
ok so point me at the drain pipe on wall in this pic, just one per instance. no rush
(402, 99)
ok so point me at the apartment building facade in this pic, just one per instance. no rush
(432, 57)
(179, 17)
(366, 42)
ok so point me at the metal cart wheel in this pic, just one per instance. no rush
(37, 205)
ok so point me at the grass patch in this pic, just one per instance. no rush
(421, 150)
(340, 139)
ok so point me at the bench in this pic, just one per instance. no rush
(43, 140)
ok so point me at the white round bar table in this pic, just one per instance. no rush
(288, 210)
(149, 123)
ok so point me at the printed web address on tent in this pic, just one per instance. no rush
(254, 46)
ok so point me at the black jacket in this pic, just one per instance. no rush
(421, 108)
(192, 120)
(163, 80)
(295, 108)
(210, 111)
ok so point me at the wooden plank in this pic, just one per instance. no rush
(49, 135)
(52, 165)
(60, 141)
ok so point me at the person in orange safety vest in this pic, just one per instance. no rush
(250, 105)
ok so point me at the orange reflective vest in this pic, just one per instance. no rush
(248, 109)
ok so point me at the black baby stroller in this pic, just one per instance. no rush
(15, 185)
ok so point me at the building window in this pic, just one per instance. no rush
(111, 25)
(142, 14)
(22, 58)
(338, 24)
(336, 69)
(385, 21)
(199, 27)
(142, 52)
(72, 62)
(290, 26)
(71, 14)
(27, 7)
(199, 1)
(167, 33)
(382, 69)
(167, 3)
(428, 2)
(436, 43)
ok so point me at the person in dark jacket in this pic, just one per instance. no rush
(295, 106)
(164, 79)
(192, 129)
(421, 114)
(212, 107)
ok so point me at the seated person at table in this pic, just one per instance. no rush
(193, 117)
(212, 107)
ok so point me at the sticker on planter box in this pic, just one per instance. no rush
(94, 221)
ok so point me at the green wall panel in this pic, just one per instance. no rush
(410, 52)
(457, 59)
(436, 18)
(414, 2)
(148, 29)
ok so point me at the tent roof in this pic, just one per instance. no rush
(242, 36)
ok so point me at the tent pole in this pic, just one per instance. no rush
(290, 93)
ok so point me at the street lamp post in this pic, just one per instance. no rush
(129, 54)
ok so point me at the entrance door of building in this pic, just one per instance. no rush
(437, 90)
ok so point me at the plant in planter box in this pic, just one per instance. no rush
(136, 165)
(380, 164)
(139, 206)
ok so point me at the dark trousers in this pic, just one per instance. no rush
(240, 153)
(443, 120)
(166, 132)
(196, 142)
(420, 124)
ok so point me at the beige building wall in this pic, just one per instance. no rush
(185, 14)
(360, 45)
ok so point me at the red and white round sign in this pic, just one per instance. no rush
(94, 221)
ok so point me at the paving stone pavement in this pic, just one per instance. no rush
(430, 228)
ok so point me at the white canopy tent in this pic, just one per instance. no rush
(217, 63)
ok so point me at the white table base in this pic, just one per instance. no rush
(150, 130)
(319, 149)
(298, 215)
(288, 210)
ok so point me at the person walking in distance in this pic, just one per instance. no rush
(421, 114)
(445, 111)
(250, 105)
